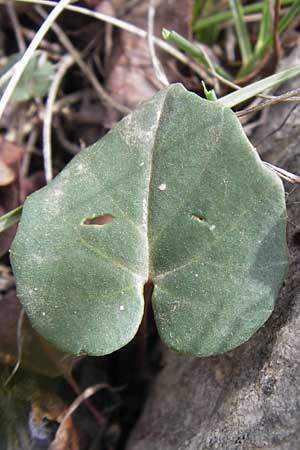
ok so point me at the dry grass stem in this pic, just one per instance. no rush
(158, 69)
(29, 150)
(77, 402)
(284, 174)
(66, 62)
(15, 22)
(293, 96)
(20, 346)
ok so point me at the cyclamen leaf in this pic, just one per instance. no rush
(36, 79)
(184, 201)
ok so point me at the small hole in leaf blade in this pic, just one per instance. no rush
(102, 219)
(198, 217)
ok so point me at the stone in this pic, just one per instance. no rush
(248, 398)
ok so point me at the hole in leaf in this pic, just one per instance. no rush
(198, 217)
(102, 219)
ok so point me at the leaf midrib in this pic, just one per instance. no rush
(149, 184)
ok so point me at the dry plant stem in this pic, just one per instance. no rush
(127, 6)
(293, 95)
(249, 18)
(15, 22)
(29, 149)
(56, 11)
(158, 69)
(212, 69)
(66, 62)
(131, 29)
(70, 99)
(64, 141)
(19, 345)
(286, 118)
(101, 420)
(65, 41)
(53, 49)
(77, 402)
(288, 176)
(262, 63)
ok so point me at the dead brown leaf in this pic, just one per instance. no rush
(10, 159)
(13, 191)
(7, 175)
(10, 154)
(51, 407)
(67, 438)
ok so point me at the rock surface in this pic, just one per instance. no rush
(248, 398)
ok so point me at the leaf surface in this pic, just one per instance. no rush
(176, 194)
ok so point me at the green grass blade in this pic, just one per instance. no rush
(185, 45)
(222, 16)
(204, 9)
(11, 218)
(191, 50)
(265, 26)
(283, 24)
(288, 17)
(247, 92)
(197, 8)
(209, 94)
(241, 30)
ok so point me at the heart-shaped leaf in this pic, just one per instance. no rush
(175, 194)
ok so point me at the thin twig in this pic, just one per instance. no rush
(56, 11)
(286, 118)
(70, 99)
(249, 18)
(76, 403)
(66, 62)
(53, 49)
(100, 418)
(293, 95)
(127, 6)
(158, 69)
(29, 150)
(288, 176)
(103, 95)
(19, 346)
(212, 69)
(15, 22)
(64, 141)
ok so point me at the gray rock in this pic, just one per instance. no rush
(248, 398)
